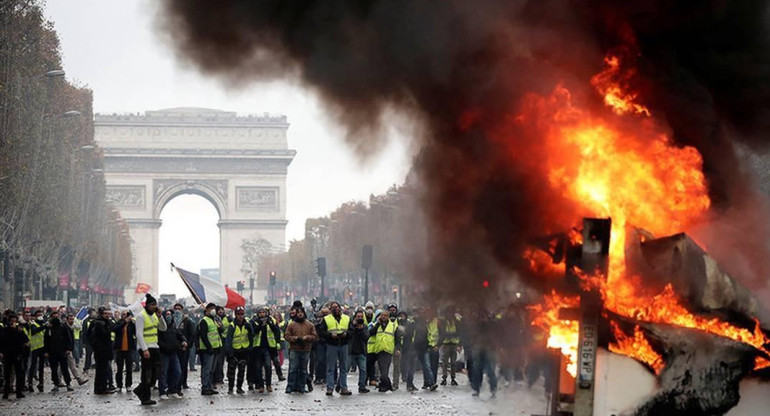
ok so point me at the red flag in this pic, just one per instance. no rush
(142, 288)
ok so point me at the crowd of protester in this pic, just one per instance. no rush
(239, 350)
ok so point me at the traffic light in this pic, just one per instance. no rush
(272, 278)
(320, 267)
(485, 284)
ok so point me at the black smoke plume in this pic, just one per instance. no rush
(462, 66)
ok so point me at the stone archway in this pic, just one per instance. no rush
(238, 163)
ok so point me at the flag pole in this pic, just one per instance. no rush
(192, 292)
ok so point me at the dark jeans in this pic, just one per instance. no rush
(207, 370)
(59, 362)
(89, 354)
(371, 367)
(298, 361)
(37, 363)
(336, 355)
(101, 378)
(383, 362)
(484, 362)
(276, 362)
(408, 366)
(170, 372)
(184, 359)
(319, 363)
(13, 366)
(150, 373)
(359, 360)
(428, 376)
(260, 361)
(238, 361)
(219, 367)
(433, 354)
(125, 363)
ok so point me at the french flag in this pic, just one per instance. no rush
(206, 290)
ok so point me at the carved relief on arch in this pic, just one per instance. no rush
(215, 190)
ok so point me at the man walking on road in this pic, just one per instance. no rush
(148, 323)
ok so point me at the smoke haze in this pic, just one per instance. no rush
(462, 69)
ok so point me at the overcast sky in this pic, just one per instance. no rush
(113, 48)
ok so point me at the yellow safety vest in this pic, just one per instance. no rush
(433, 332)
(270, 338)
(450, 333)
(240, 336)
(385, 340)
(112, 333)
(76, 333)
(279, 336)
(150, 332)
(36, 341)
(335, 327)
(213, 335)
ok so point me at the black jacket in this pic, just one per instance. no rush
(118, 330)
(99, 337)
(420, 335)
(171, 339)
(58, 339)
(13, 342)
(358, 339)
(189, 330)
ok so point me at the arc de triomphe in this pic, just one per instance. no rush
(238, 163)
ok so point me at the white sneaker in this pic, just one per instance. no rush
(178, 396)
(164, 397)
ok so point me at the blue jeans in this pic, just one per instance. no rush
(360, 360)
(427, 374)
(207, 370)
(191, 348)
(336, 355)
(484, 362)
(298, 361)
(170, 373)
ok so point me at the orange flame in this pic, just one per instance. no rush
(636, 347)
(761, 363)
(615, 97)
(625, 168)
(563, 334)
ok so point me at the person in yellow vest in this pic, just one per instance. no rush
(37, 352)
(384, 334)
(148, 323)
(209, 344)
(335, 329)
(240, 335)
(265, 336)
(219, 364)
(275, 352)
(449, 339)
(433, 340)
